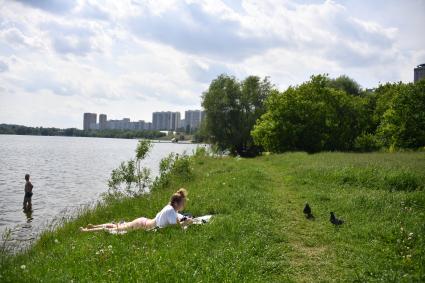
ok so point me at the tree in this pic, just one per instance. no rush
(142, 174)
(347, 84)
(231, 109)
(311, 117)
(403, 122)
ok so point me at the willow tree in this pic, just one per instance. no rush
(232, 108)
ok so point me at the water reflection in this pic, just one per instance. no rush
(28, 214)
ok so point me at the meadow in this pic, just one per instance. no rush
(258, 232)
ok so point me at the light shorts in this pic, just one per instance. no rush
(136, 223)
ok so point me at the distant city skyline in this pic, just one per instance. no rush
(59, 59)
(161, 120)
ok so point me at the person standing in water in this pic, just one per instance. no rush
(28, 193)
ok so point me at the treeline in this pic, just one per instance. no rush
(322, 114)
(73, 132)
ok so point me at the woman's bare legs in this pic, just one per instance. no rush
(106, 225)
(135, 224)
(98, 227)
(91, 229)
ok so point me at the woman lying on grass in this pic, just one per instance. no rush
(167, 216)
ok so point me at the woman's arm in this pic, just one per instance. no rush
(185, 222)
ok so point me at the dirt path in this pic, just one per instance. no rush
(309, 256)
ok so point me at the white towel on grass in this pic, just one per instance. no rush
(202, 219)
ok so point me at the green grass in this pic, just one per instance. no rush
(259, 233)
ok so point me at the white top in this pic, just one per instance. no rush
(167, 216)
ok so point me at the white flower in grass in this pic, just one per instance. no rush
(23, 266)
(56, 241)
(110, 247)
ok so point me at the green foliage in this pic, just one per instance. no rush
(367, 143)
(345, 84)
(403, 121)
(173, 166)
(327, 114)
(201, 134)
(231, 108)
(310, 117)
(131, 174)
(142, 150)
(201, 151)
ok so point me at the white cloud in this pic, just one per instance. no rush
(129, 58)
(3, 66)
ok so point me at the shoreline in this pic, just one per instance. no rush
(152, 140)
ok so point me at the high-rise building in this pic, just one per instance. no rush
(155, 120)
(89, 121)
(165, 120)
(175, 121)
(140, 125)
(419, 73)
(148, 126)
(102, 121)
(193, 119)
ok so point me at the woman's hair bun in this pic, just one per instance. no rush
(178, 197)
(182, 192)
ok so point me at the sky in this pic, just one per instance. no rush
(128, 58)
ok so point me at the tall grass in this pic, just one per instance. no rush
(258, 232)
(371, 177)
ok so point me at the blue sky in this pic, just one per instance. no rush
(129, 58)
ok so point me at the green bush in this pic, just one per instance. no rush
(130, 174)
(311, 117)
(178, 167)
(366, 143)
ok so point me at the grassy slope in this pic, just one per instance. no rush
(259, 233)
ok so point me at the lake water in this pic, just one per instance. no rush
(66, 172)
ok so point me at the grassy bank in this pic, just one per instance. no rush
(259, 233)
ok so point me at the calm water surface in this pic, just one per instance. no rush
(66, 172)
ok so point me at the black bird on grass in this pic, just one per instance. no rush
(307, 212)
(335, 221)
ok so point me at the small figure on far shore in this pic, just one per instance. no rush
(28, 193)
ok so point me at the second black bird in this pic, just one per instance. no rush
(307, 212)
(335, 221)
